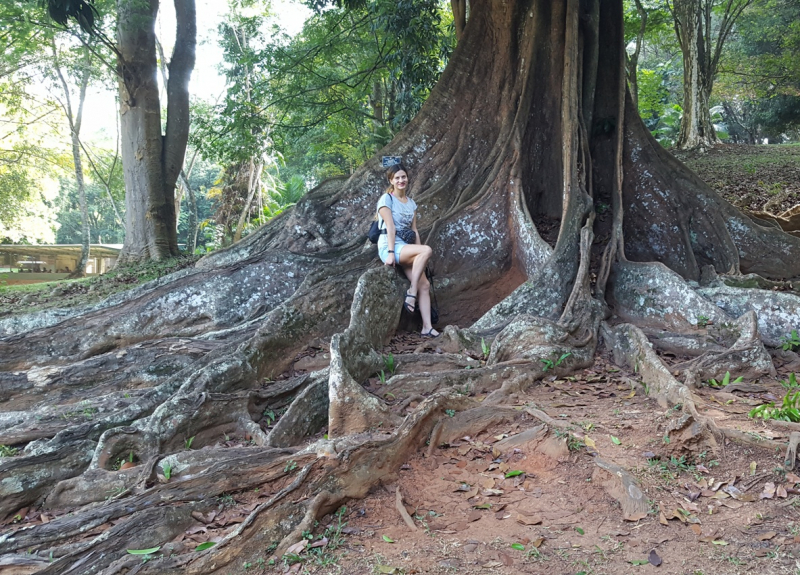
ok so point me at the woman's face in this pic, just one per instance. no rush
(400, 180)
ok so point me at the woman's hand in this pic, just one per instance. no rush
(390, 260)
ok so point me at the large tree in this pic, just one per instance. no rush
(549, 206)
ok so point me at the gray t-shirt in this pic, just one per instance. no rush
(402, 213)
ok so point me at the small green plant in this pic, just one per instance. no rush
(789, 409)
(450, 412)
(6, 451)
(270, 415)
(382, 377)
(703, 321)
(791, 383)
(291, 465)
(167, 469)
(724, 381)
(388, 364)
(188, 443)
(548, 364)
(791, 341)
(485, 349)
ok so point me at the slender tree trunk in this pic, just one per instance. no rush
(632, 64)
(253, 183)
(191, 232)
(152, 161)
(75, 131)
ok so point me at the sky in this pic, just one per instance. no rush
(206, 82)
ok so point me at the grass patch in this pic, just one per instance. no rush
(20, 299)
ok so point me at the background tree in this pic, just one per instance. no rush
(761, 80)
(73, 110)
(702, 28)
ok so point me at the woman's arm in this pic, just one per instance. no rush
(388, 221)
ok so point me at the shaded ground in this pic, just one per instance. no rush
(555, 516)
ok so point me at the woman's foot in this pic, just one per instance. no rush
(409, 306)
(430, 333)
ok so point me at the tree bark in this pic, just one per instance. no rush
(152, 161)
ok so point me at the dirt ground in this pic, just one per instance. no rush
(478, 509)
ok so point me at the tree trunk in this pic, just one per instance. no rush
(701, 51)
(633, 60)
(75, 135)
(529, 132)
(152, 160)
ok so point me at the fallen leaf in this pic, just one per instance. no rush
(719, 542)
(388, 570)
(506, 559)
(298, 547)
(768, 492)
(473, 516)
(514, 473)
(518, 546)
(143, 551)
(492, 565)
(204, 546)
(319, 543)
(753, 466)
(537, 542)
(780, 491)
(579, 531)
(792, 478)
(696, 529)
(388, 539)
(654, 559)
(615, 440)
(766, 536)
(589, 442)
(529, 519)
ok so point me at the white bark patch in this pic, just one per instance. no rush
(778, 312)
(652, 294)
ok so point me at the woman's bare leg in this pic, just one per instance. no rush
(414, 258)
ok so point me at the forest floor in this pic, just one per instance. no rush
(478, 509)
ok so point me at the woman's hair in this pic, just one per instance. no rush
(390, 174)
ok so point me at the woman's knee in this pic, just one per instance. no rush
(424, 284)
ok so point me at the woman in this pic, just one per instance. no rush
(399, 243)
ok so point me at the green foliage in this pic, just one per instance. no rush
(790, 384)
(167, 470)
(485, 349)
(789, 409)
(791, 342)
(724, 381)
(8, 451)
(330, 96)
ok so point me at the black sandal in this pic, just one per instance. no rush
(429, 333)
(406, 305)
